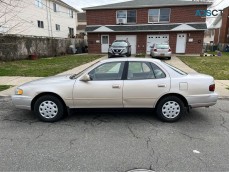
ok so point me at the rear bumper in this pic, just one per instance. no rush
(158, 54)
(22, 102)
(205, 100)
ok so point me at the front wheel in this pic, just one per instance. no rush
(49, 108)
(170, 109)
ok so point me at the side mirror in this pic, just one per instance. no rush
(85, 78)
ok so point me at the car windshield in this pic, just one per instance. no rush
(119, 44)
(175, 69)
(75, 76)
(162, 46)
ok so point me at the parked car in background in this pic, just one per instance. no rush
(161, 50)
(119, 83)
(119, 48)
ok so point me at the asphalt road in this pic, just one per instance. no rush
(115, 141)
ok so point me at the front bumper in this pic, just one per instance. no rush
(205, 100)
(22, 102)
(117, 54)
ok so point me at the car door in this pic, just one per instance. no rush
(103, 90)
(144, 84)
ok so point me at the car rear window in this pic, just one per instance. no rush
(175, 69)
(119, 44)
(161, 46)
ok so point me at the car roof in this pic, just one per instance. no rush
(161, 44)
(120, 41)
(131, 59)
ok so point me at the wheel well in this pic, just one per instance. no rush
(183, 99)
(44, 94)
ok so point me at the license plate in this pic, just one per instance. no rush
(116, 54)
(162, 54)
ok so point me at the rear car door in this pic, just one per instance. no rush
(145, 83)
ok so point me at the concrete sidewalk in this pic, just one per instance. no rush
(19, 80)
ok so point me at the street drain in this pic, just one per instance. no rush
(140, 170)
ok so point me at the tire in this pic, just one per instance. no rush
(169, 58)
(170, 109)
(49, 108)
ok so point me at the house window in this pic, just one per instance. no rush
(40, 24)
(71, 32)
(159, 15)
(38, 3)
(70, 13)
(57, 27)
(55, 7)
(126, 16)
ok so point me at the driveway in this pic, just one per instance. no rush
(114, 141)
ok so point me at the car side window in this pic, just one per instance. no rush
(107, 71)
(158, 72)
(139, 71)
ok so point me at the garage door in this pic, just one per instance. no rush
(132, 40)
(152, 39)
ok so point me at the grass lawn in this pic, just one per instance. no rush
(4, 87)
(45, 66)
(218, 67)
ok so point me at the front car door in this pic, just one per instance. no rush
(145, 83)
(104, 89)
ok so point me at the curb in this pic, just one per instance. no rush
(5, 97)
(223, 98)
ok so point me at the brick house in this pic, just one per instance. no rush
(144, 22)
(222, 32)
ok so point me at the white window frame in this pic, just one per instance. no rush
(126, 17)
(39, 3)
(70, 13)
(57, 27)
(57, 7)
(159, 14)
(39, 21)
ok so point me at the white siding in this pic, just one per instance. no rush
(23, 18)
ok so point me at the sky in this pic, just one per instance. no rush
(78, 4)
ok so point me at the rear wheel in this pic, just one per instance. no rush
(169, 58)
(170, 109)
(49, 108)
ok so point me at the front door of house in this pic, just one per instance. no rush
(181, 42)
(104, 43)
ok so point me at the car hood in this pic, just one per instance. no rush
(49, 80)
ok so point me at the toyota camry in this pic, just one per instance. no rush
(119, 83)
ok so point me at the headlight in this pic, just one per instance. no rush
(18, 91)
(110, 50)
(124, 50)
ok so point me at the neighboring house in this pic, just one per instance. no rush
(221, 27)
(47, 18)
(81, 24)
(145, 22)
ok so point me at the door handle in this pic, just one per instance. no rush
(161, 85)
(116, 86)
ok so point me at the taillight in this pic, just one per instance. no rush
(212, 87)
(155, 49)
(170, 50)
